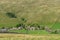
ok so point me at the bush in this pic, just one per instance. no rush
(3, 28)
(54, 32)
(20, 25)
(11, 15)
(23, 20)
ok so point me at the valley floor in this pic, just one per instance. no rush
(29, 37)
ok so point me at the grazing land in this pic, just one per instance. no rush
(41, 12)
(29, 37)
(29, 19)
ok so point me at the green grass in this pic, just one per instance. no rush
(56, 26)
(38, 32)
(30, 31)
(42, 12)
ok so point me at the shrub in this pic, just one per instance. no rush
(20, 25)
(54, 32)
(23, 20)
(3, 28)
(11, 15)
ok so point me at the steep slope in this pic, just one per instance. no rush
(43, 12)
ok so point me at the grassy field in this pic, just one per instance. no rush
(42, 12)
(38, 32)
(28, 37)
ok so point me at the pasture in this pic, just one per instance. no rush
(34, 13)
(36, 32)
(41, 12)
(28, 37)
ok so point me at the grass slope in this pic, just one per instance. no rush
(43, 12)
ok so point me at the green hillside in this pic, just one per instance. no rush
(42, 12)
